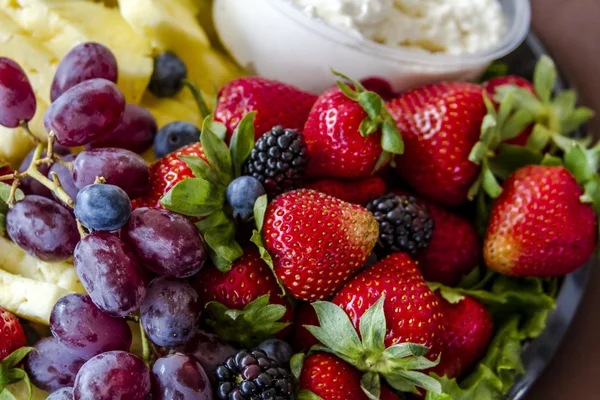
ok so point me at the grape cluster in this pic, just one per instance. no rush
(129, 262)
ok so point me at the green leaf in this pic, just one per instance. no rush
(3, 376)
(478, 153)
(544, 78)
(391, 140)
(307, 395)
(16, 357)
(216, 219)
(516, 124)
(523, 99)
(194, 197)
(539, 138)
(483, 385)
(373, 326)
(215, 127)
(242, 142)
(495, 70)
(223, 249)
(17, 375)
(371, 103)
(359, 87)
(348, 91)
(368, 127)
(7, 395)
(592, 193)
(403, 350)
(217, 153)
(401, 379)
(260, 208)
(475, 189)
(5, 192)
(510, 158)
(490, 184)
(201, 169)
(371, 385)
(506, 106)
(551, 161)
(574, 120)
(264, 254)
(336, 331)
(296, 363)
(577, 162)
(451, 295)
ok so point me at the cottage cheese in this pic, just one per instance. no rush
(444, 26)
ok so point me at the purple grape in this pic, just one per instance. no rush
(110, 273)
(85, 112)
(209, 349)
(115, 375)
(51, 367)
(86, 331)
(135, 132)
(181, 377)
(31, 186)
(170, 312)
(181, 252)
(119, 167)
(84, 62)
(17, 100)
(43, 228)
(65, 177)
(65, 393)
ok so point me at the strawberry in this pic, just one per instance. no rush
(251, 289)
(356, 191)
(468, 334)
(538, 226)
(454, 249)
(316, 241)
(12, 336)
(380, 86)
(331, 378)
(301, 338)
(275, 102)
(166, 173)
(440, 125)
(490, 90)
(412, 311)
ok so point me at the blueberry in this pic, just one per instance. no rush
(174, 136)
(168, 75)
(101, 207)
(277, 350)
(242, 194)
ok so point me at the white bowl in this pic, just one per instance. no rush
(274, 39)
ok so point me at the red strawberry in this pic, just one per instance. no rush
(454, 249)
(12, 336)
(336, 149)
(413, 313)
(440, 125)
(468, 334)
(275, 102)
(304, 315)
(490, 90)
(380, 86)
(317, 242)
(331, 378)
(538, 226)
(356, 191)
(249, 279)
(166, 173)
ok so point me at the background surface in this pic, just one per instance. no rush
(571, 31)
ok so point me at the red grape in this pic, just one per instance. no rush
(110, 273)
(209, 349)
(170, 312)
(115, 375)
(85, 112)
(42, 228)
(17, 100)
(180, 377)
(84, 62)
(86, 331)
(135, 132)
(51, 367)
(31, 186)
(119, 167)
(181, 252)
(65, 393)
(65, 177)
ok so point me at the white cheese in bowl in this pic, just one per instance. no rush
(438, 26)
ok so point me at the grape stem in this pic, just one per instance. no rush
(204, 111)
(54, 185)
(145, 346)
(25, 126)
(82, 232)
(13, 192)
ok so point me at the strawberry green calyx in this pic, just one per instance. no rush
(399, 365)
(258, 321)
(378, 118)
(204, 196)
(558, 115)
(9, 373)
(583, 164)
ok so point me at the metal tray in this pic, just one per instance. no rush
(539, 353)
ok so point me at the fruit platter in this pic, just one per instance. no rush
(286, 199)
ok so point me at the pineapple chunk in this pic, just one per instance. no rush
(62, 24)
(29, 299)
(15, 261)
(167, 110)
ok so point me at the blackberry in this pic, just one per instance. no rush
(278, 160)
(404, 224)
(252, 376)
